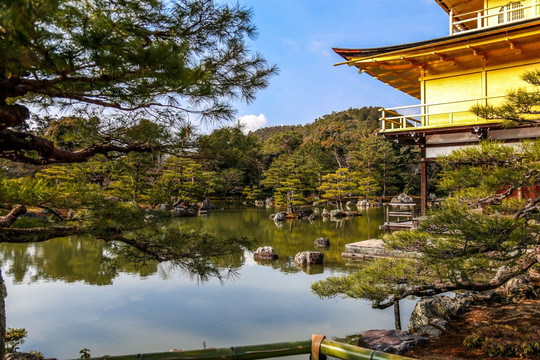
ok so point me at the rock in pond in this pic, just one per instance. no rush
(390, 341)
(206, 205)
(309, 257)
(164, 207)
(265, 253)
(322, 242)
(362, 203)
(402, 198)
(180, 211)
(280, 216)
(337, 214)
(325, 213)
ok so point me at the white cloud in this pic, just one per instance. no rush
(252, 122)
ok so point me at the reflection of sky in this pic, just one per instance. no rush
(152, 315)
(264, 304)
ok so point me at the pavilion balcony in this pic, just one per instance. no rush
(434, 115)
(490, 17)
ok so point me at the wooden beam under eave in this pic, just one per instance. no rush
(478, 53)
(513, 46)
(393, 72)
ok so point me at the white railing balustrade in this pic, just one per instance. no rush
(475, 20)
(416, 116)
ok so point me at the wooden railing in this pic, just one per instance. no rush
(421, 114)
(493, 16)
(318, 347)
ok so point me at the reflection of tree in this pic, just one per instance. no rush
(95, 262)
(66, 259)
(98, 262)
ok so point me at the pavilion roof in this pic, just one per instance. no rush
(459, 7)
(401, 66)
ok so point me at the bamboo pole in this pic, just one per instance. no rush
(253, 352)
(351, 352)
(232, 353)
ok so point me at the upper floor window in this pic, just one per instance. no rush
(511, 12)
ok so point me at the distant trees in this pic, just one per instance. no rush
(341, 140)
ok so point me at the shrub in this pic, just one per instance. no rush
(503, 340)
(14, 338)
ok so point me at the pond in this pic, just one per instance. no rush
(68, 299)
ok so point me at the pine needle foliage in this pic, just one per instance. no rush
(477, 240)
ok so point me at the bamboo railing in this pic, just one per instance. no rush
(318, 347)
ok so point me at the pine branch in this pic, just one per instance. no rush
(14, 214)
(503, 276)
(13, 144)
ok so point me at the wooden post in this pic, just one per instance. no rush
(451, 22)
(479, 20)
(423, 181)
(397, 315)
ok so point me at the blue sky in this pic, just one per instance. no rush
(298, 36)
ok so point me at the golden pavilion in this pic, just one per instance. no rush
(490, 44)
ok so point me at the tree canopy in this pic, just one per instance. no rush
(158, 60)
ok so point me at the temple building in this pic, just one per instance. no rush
(491, 43)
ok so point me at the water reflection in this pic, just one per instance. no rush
(86, 300)
(85, 259)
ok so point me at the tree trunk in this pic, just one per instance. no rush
(338, 158)
(3, 294)
(397, 316)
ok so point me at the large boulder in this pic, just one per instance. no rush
(518, 288)
(322, 242)
(265, 253)
(309, 258)
(402, 198)
(206, 205)
(390, 341)
(362, 203)
(431, 315)
(259, 203)
(337, 214)
(280, 216)
(180, 211)
(164, 207)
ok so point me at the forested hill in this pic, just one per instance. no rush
(295, 164)
(364, 120)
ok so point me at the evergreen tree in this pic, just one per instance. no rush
(290, 193)
(128, 75)
(338, 185)
(150, 58)
(462, 248)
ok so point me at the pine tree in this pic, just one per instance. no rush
(479, 239)
(338, 185)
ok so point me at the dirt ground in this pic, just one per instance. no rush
(524, 316)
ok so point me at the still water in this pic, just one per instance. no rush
(68, 299)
